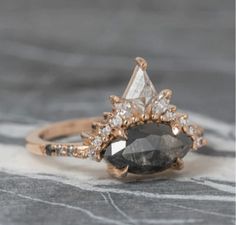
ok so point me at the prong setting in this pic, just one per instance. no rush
(117, 173)
(141, 62)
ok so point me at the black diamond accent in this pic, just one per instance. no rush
(48, 150)
(150, 148)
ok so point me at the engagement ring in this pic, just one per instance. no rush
(142, 134)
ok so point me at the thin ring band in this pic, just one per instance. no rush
(40, 139)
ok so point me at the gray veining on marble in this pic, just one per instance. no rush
(62, 59)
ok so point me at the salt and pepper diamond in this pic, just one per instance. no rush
(91, 153)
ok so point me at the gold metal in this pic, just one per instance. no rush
(115, 99)
(115, 172)
(141, 62)
(178, 164)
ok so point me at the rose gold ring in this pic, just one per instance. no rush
(142, 134)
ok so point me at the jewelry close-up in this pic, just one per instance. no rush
(142, 134)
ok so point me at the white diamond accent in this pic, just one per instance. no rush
(160, 106)
(183, 121)
(91, 152)
(97, 141)
(170, 115)
(105, 131)
(116, 121)
(124, 109)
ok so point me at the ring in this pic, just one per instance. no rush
(143, 133)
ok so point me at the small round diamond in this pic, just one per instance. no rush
(91, 153)
(97, 141)
(116, 121)
(170, 115)
(183, 121)
(105, 131)
(70, 150)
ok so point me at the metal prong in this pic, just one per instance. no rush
(114, 99)
(141, 62)
(120, 133)
(115, 172)
(85, 135)
(185, 116)
(167, 93)
(178, 164)
(96, 125)
(176, 128)
(172, 108)
(107, 115)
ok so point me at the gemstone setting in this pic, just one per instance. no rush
(150, 148)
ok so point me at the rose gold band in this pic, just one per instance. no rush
(40, 141)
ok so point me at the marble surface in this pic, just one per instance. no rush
(62, 59)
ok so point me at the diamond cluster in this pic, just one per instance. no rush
(125, 115)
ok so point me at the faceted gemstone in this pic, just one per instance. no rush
(183, 121)
(70, 150)
(139, 105)
(160, 106)
(116, 121)
(91, 152)
(150, 148)
(169, 116)
(140, 88)
(96, 143)
(124, 109)
(105, 131)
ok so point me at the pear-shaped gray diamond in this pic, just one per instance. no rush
(150, 148)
